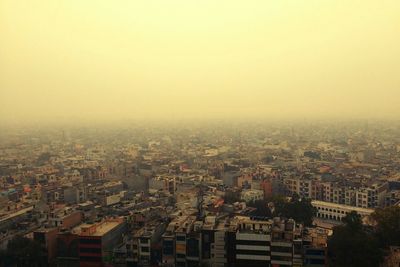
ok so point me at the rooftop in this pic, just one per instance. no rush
(105, 228)
(341, 206)
(98, 229)
(16, 214)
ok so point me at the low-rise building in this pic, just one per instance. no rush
(96, 241)
(337, 212)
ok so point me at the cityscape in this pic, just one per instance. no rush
(218, 194)
(169, 133)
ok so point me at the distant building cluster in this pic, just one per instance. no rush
(184, 196)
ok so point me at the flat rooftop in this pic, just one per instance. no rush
(16, 214)
(341, 206)
(97, 229)
(105, 228)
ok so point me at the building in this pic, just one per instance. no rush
(274, 242)
(315, 247)
(74, 194)
(167, 184)
(337, 212)
(96, 241)
(266, 186)
(47, 237)
(252, 195)
(367, 196)
(67, 249)
(65, 218)
(315, 257)
(252, 243)
(146, 245)
(286, 243)
(12, 218)
(372, 196)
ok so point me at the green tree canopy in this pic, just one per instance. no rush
(262, 209)
(352, 246)
(388, 225)
(22, 251)
(231, 196)
(300, 209)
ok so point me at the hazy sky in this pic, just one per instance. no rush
(82, 59)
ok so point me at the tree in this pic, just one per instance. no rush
(22, 251)
(262, 209)
(231, 196)
(300, 209)
(352, 245)
(4, 258)
(279, 203)
(388, 226)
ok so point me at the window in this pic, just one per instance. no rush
(180, 238)
(281, 249)
(252, 242)
(144, 240)
(144, 258)
(316, 261)
(90, 250)
(92, 259)
(251, 252)
(168, 247)
(193, 247)
(315, 252)
(89, 241)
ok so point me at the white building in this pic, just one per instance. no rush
(252, 195)
(333, 211)
(253, 242)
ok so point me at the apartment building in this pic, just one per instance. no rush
(372, 196)
(369, 196)
(252, 243)
(302, 187)
(146, 245)
(240, 241)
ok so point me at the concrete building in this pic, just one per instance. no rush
(47, 237)
(96, 241)
(315, 257)
(253, 243)
(65, 218)
(146, 245)
(332, 211)
(368, 196)
(67, 249)
(252, 195)
(372, 196)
